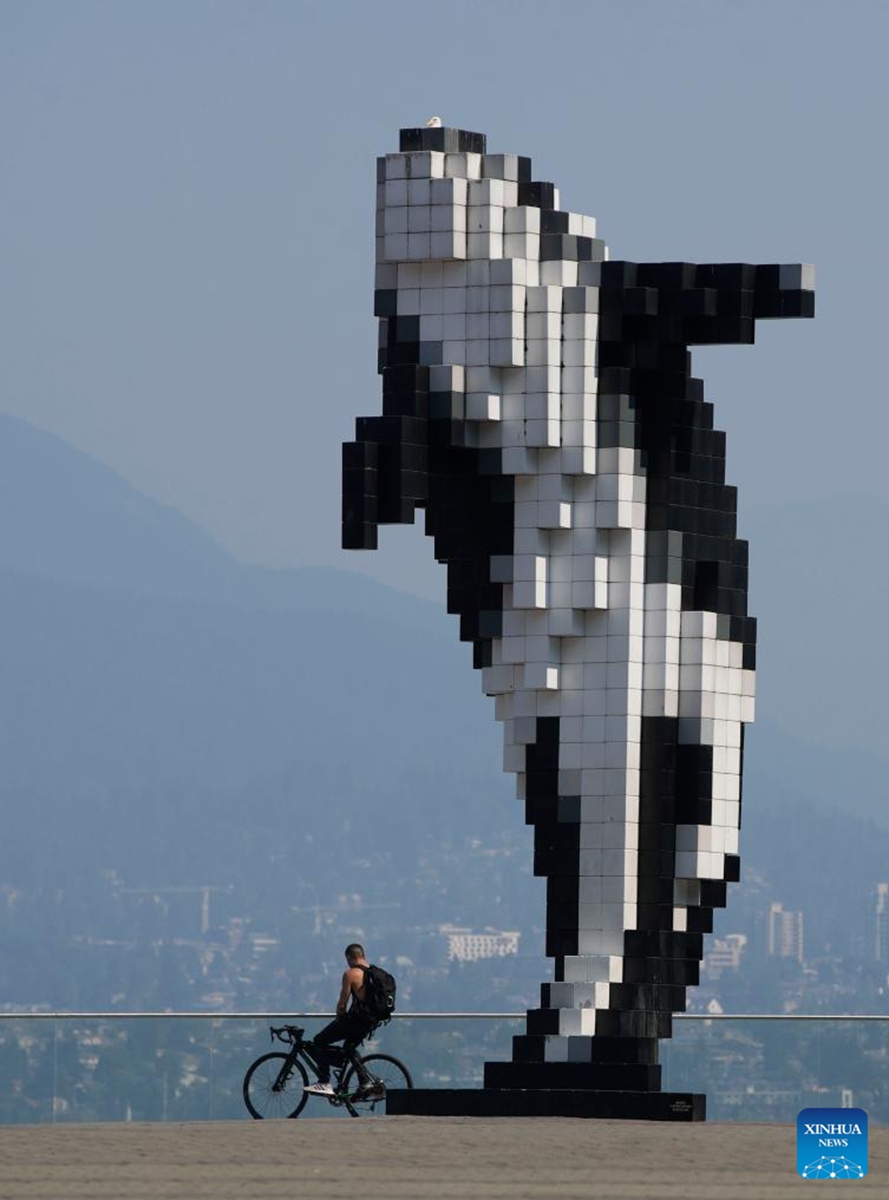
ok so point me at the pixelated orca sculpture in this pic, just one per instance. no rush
(538, 404)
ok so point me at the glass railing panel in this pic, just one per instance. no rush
(190, 1067)
(770, 1069)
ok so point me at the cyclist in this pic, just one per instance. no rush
(351, 1026)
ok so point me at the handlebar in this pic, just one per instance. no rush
(288, 1034)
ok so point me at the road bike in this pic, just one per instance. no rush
(274, 1085)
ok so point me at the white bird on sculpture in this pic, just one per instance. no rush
(434, 123)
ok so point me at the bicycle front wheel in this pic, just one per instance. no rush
(270, 1093)
(385, 1071)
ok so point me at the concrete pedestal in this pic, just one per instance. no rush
(541, 1102)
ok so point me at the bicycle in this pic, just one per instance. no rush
(273, 1085)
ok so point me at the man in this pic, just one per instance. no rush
(351, 1026)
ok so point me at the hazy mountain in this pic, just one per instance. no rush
(102, 687)
(819, 575)
(66, 516)
(779, 768)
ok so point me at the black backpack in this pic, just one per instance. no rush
(379, 994)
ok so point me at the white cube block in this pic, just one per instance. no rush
(481, 406)
(507, 352)
(424, 164)
(395, 220)
(522, 219)
(419, 246)
(449, 192)
(541, 676)
(559, 274)
(395, 193)
(395, 246)
(463, 166)
(485, 245)
(501, 166)
(396, 166)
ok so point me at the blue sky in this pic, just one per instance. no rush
(186, 220)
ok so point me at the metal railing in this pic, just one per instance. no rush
(118, 1015)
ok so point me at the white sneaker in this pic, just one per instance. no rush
(319, 1089)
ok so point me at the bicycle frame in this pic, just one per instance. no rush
(301, 1050)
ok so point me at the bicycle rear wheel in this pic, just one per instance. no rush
(265, 1097)
(384, 1070)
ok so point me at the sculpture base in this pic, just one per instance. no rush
(513, 1102)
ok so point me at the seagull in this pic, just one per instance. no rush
(434, 123)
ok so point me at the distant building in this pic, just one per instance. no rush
(724, 954)
(466, 946)
(785, 933)
(881, 923)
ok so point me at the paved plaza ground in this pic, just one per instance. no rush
(415, 1158)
